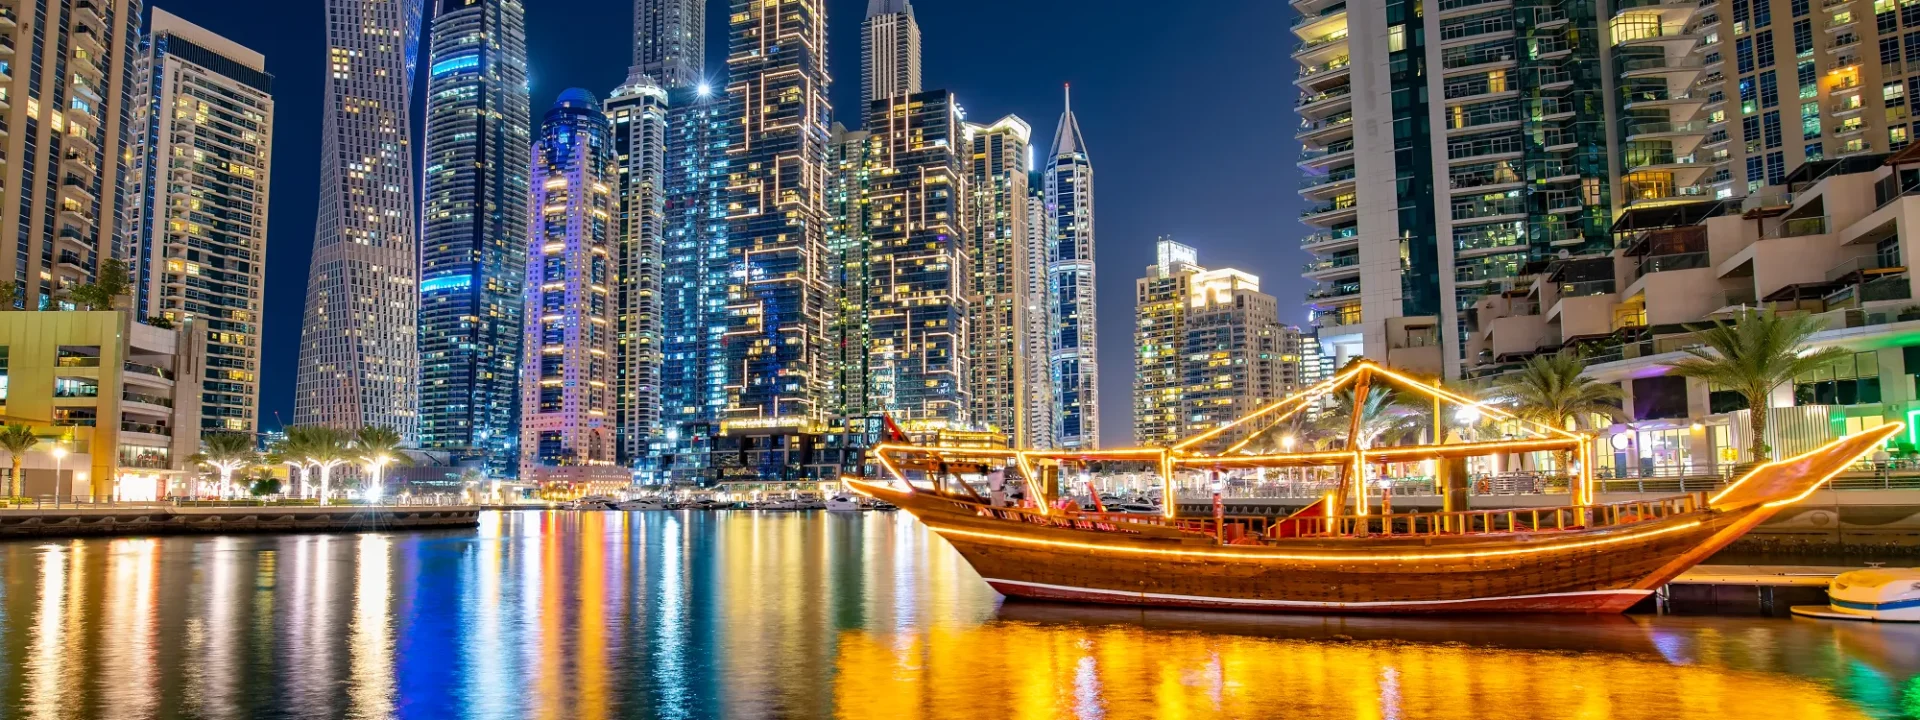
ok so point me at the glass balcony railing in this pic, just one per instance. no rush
(1315, 69)
(1328, 94)
(1344, 261)
(1800, 227)
(1313, 181)
(1679, 261)
(1325, 292)
(1655, 128)
(1344, 202)
(1305, 20)
(1334, 149)
(145, 369)
(1331, 121)
(1325, 237)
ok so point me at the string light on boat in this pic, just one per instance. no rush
(1348, 557)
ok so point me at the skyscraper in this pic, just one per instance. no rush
(201, 165)
(918, 269)
(853, 161)
(777, 161)
(998, 157)
(693, 371)
(1042, 432)
(670, 41)
(1160, 301)
(567, 401)
(67, 81)
(889, 51)
(358, 361)
(474, 259)
(638, 111)
(1075, 365)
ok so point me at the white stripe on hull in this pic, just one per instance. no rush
(1544, 601)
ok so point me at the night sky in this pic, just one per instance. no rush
(1186, 107)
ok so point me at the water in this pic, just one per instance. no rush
(691, 615)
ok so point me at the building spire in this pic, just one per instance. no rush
(1066, 138)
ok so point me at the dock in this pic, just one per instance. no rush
(1766, 590)
(165, 519)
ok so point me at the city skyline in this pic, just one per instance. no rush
(1144, 187)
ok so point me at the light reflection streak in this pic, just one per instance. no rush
(670, 625)
(485, 649)
(128, 640)
(370, 691)
(46, 664)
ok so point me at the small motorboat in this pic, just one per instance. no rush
(1136, 508)
(1873, 595)
(592, 503)
(844, 503)
(641, 504)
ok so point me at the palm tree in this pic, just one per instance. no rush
(1383, 418)
(17, 439)
(1759, 352)
(226, 452)
(292, 452)
(376, 447)
(326, 449)
(1550, 390)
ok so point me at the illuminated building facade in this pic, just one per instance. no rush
(694, 281)
(889, 51)
(1236, 356)
(567, 401)
(473, 258)
(777, 298)
(1160, 300)
(1038, 330)
(638, 112)
(66, 91)
(999, 156)
(853, 160)
(918, 270)
(1075, 367)
(201, 164)
(359, 364)
(670, 41)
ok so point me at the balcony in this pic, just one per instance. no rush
(1330, 241)
(148, 428)
(1325, 102)
(1312, 76)
(1800, 227)
(1682, 70)
(1330, 268)
(1315, 24)
(1665, 130)
(1318, 187)
(1340, 209)
(1657, 160)
(1449, 7)
(151, 371)
(1328, 295)
(1326, 157)
(1484, 178)
(1324, 130)
(1313, 49)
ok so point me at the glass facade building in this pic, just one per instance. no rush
(1075, 367)
(638, 112)
(473, 256)
(693, 284)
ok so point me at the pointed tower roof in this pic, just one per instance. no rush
(1066, 138)
(886, 7)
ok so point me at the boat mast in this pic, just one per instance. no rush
(1357, 479)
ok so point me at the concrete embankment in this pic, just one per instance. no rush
(166, 520)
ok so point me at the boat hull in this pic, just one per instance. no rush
(1599, 601)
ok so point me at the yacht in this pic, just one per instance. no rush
(844, 503)
(641, 504)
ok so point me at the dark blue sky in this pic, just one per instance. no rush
(1186, 107)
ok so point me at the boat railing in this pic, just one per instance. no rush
(1491, 521)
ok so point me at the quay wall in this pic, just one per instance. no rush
(164, 520)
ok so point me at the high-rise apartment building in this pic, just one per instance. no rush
(201, 163)
(1075, 367)
(889, 51)
(852, 161)
(694, 282)
(1211, 348)
(66, 92)
(359, 364)
(1042, 432)
(473, 260)
(999, 157)
(777, 299)
(638, 111)
(1236, 355)
(670, 41)
(567, 398)
(1160, 301)
(1557, 129)
(918, 311)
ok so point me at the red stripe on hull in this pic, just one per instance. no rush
(1600, 602)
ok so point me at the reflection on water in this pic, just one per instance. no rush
(692, 615)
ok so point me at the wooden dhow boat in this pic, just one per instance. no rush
(1339, 555)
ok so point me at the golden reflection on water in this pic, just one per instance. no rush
(669, 615)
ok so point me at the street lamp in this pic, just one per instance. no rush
(59, 454)
(377, 488)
